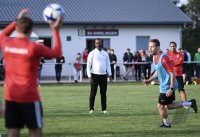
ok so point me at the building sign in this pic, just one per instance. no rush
(98, 32)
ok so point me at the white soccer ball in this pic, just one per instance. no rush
(52, 12)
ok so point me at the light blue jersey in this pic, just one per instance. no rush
(163, 76)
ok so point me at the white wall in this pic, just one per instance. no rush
(126, 39)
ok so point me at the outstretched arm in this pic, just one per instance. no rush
(155, 74)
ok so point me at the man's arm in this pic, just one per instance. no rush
(89, 65)
(155, 75)
(56, 52)
(108, 66)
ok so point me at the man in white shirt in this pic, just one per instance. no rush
(98, 69)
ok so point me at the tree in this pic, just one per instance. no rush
(191, 34)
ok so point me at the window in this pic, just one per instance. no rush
(142, 42)
(47, 41)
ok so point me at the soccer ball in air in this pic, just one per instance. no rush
(52, 12)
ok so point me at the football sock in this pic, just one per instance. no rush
(166, 121)
(186, 104)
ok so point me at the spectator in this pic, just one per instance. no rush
(177, 59)
(197, 65)
(58, 68)
(42, 61)
(84, 62)
(127, 59)
(144, 60)
(113, 60)
(137, 59)
(77, 67)
(149, 60)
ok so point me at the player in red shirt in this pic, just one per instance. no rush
(21, 58)
(177, 60)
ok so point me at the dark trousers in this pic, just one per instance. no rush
(84, 66)
(112, 70)
(58, 73)
(100, 80)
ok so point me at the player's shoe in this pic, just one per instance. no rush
(105, 112)
(165, 126)
(91, 111)
(194, 105)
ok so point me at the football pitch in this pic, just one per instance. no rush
(132, 112)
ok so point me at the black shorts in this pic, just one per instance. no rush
(18, 115)
(180, 83)
(164, 100)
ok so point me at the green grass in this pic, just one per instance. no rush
(132, 112)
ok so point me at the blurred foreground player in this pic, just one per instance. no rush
(21, 57)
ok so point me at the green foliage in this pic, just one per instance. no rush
(191, 34)
(132, 113)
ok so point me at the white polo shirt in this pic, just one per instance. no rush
(98, 63)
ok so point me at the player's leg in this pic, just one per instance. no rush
(13, 132)
(13, 119)
(103, 90)
(93, 85)
(164, 115)
(164, 101)
(181, 88)
(191, 103)
(33, 118)
(35, 132)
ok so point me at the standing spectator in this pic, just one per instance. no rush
(77, 67)
(149, 60)
(127, 59)
(188, 79)
(84, 62)
(168, 84)
(22, 100)
(197, 65)
(113, 60)
(98, 69)
(58, 68)
(137, 59)
(144, 60)
(42, 61)
(177, 59)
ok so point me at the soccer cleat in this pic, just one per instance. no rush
(165, 126)
(105, 112)
(91, 111)
(194, 105)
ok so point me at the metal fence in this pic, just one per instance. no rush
(48, 71)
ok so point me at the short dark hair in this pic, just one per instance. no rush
(172, 42)
(24, 25)
(156, 41)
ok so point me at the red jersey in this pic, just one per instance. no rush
(21, 58)
(177, 60)
(165, 62)
(84, 57)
